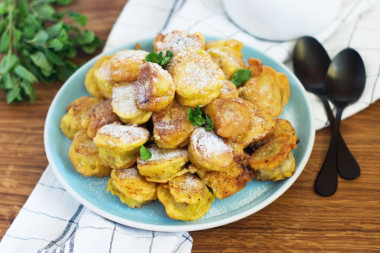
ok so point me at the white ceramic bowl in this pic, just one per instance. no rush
(282, 19)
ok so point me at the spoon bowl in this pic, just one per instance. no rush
(346, 77)
(310, 62)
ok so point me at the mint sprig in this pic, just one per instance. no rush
(241, 76)
(195, 117)
(159, 57)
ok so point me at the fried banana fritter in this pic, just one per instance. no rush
(185, 198)
(283, 170)
(119, 144)
(131, 188)
(261, 125)
(273, 160)
(209, 151)
(78, 115)
(197, 78)
(125, 65)
(231, 117)
(101, 115)
(102, 76)
(228, 55)
(177, 41)
(269, 91)
(124, 104)
(223, 184)
(164, 165)
(155, 89)
(85, 158)
(91, 81)
(171, 127)
(228, 91)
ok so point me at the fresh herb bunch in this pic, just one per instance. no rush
(36, 45)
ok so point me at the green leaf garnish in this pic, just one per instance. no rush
(82, 20)
(209, 125)
(159, 58)
(145, 153)
(196, 118)
(241, 76)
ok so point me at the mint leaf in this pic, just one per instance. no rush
(195, 116)
(168, 56)
(8, 62)
(209, 125)
(25, 74)
(79, 18)
(158, 57)
(29, 90)
(145, 153)
(241, 76)
(13, 93)
(153, 57)
(39, 59)
(4, 44)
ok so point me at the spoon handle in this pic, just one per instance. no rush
(327, 180)
(348, 167)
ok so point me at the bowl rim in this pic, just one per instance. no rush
(184, 227)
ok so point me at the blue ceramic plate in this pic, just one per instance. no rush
(91, 192)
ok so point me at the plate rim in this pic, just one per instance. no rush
(185, 227)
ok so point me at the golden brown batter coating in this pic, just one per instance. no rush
(269, 91)
(164, 165)
(209, 151)
(228, 91)
(101, 115)
(132, 188)
(185, 198)
(78, 115)
(119, 144)
(125, 65)
(85, 158)
(124, 104)
(231, 117)
(227, 54)
(102, 75)
(197, 78)
(223, 184)
(171, 127)
(177, 41)
(155, 89)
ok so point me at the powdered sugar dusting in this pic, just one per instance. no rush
(128, 173)
(177, 41)
(208, 143)
(125, 134)
(134, 55)
(190, 183)
(105, 71)
(124, 99)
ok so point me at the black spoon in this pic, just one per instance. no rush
(345, 83)
(310, 62)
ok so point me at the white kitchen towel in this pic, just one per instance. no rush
(53, 221)
(357, 26)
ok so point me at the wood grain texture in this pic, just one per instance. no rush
(299, 220)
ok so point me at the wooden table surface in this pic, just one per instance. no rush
(299, 220)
